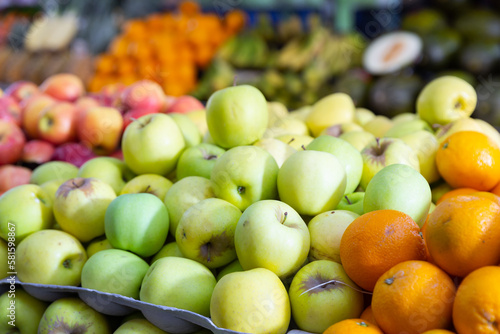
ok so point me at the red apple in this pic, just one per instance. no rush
(133, 114)
(169, 100)
(109, 94)
(57, 123)
(144, 94)
(74, 153)
(21, 90)
(12, 176)
(64, 87)
(37, 151)
(12, 141)
(31, 110)
(100, 128)
(10, 110)
(86, 102)
(185, 104)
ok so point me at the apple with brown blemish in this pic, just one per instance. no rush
(12, 141)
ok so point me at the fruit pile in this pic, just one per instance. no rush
(167, 48)
(328, 219)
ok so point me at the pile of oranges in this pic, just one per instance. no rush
(441, 278)
(168, 48)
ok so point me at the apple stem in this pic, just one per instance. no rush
(291, 140)
(147, 188)
(347, 199)
(334, 281)
(241, 190)
(74, 184)
(303, 147)
(378, 142)
(67, 264)
(284, 217)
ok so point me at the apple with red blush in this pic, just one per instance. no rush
(37, 152)
(12, 176)
(21, 90)
(63, 87)
(74, 153)
(57, 123)
(143, 94)
(185, 104)
(31, 110)
(12, 141)
(10, 110)
(134, 114)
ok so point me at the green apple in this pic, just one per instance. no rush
(296, 141)
(113, 171)
(230, 268)
(207, 139)
(244, 175)
(404, 128)
(378, 126)
(404, 117)
(183, 194)
(488, 130)
(358, 139)
(114, 271)
(431, 208)
(53, 170)
(237, 116)
(337, 130)
(179, 282)
(467, 124)
(399, 187)
(152, 144)
(72, 315)
(275, 111)
(50, 188)
(148, 183)
(50, 257)
(278, 149)
(198, 160)
(352, 202)
(24, 209)
(332, 109)
(97, 245)
(138, 223)
(286, 126)
(363, 116)
(252, 301)
(347, 154)
(312, 182)
(80, 206)
(301, 113)
(446, 99)
(271, 234)
(384, 152)
(438, 189)
(326, 230)
(189, 130)
(169, 249)
(21, 312)
(4, 265)
(199, 118)
(426, 145)
(206, 232)
(138, 326)
(321, 294)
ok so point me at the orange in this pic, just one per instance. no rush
(413, 297)
(438, 331)
(456, 192)
(353, 326)
(477, 304)
(368, 315)
(496, 190)
(469, 159)
(463, 234)
(376, 241)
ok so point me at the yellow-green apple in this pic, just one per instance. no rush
(488, 130)
(72, 315)
(352, 202)
(207, 138)
(326, 230)
(170, 279)
(312, 182)
(378, 126)
(467, 124)
(347, 154)
(57, 123)
(426, 145)
(301, 113)
(32, 108)
(80, 206)
(113, 171)
(12, 176)
(199, 118)
(50, 188)
(53, 170)
(21, 90)
(100, 128)
(384, 152)
(184, 104)
(229, 268)
(405, 128)
(134, 114)
(25, 209)
(37, 152)
(188, 129)
(137, 223)
(74, 153)
(50, 257)
(183, 194)
(4, 266)
(148, 183)
(152, 144)
(271, 234)
(115, 271)
(332, 109)
(252, 301)
(97, 245)
(446, 99)
(389, 190)
(12, 142)
(363, 116)
(21, 312)
(275, 111)
(404, 117)
(295, 141)
(358, 139)
(169, 249)
(337, 130)
(138, 326)
(321, 294)
(198, 160)
(244, 175)
(237, 116)
(143, 94)
(206, 232)
(286, 126)
(63, 86)
(278, 149)
(10, 110)
(438, 189)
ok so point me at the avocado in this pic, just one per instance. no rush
(394, 95)
(440, 48)
(479, 57)
(479, 25)
(424, 22)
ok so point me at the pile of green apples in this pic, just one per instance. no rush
(242, 222)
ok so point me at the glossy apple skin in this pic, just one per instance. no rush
(21, 90)
(12, 176)
(12, 141)
(63, 87)
(37, 151)
(144, 94)
(74, 153)
(57, 123)
(185, 104)
(31, 109)
(10, 110)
